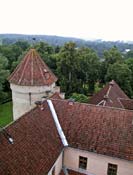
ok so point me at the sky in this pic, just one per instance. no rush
(87, 19)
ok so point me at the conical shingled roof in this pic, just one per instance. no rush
(32, 71)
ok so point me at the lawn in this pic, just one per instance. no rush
(6, 113)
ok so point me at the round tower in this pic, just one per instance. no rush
(30, 81)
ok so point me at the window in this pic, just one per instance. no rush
(112, 169)
(82, 162)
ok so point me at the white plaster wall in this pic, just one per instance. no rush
(23, 102)
(57, 165)
(31, 89)
(97, 164)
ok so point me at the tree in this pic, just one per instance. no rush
(16, 62)
(111, 56)
(67, 68)
(129, 62)
(122, 75)
(12, 52)
(3, 75)
(24, 45)
(44, 49)
(89, 68)
(80, 98)
(47, 53)
(129, 54)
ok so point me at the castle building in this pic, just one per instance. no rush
(30, 81)
(62, 137)
(113, 96)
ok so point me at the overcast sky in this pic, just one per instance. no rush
(99, 19)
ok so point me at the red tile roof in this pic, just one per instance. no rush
(62, 172)
(72, 172)
(32, 71)
(109, 96)
(103, 130)
(36, 146)
(56, 95)
(127, 103)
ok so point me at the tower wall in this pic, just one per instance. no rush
(24, 97)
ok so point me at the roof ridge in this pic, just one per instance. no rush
(120, 89)
(32, 70)
(126, 99)
(110, 86)
(37, 61)
(93, 105)
(23, 70)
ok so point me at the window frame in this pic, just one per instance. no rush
(83, 162)
(112, 169)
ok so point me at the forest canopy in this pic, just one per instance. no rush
(80, 70)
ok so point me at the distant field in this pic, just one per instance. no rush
(6, 113)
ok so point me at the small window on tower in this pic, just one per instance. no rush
(82, 162)
(112, 169)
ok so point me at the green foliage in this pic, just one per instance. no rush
(15, 63)
(129, 63)
(97, 87)
(89, 68)
(9, 55)
(47, 54)
(67, 68)
(6, 114)
(122, 75)
(79, 69)
(24, 45)
(12, 52)
(80, 98)
(129, 54)
(98, 45)
(112, 56)
(3, 76)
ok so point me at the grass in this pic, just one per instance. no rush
(6, 114)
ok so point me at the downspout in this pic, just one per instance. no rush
(58, 126)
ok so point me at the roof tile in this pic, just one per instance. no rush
(36, 144)
(127, 103)
(109, 96)
(56, 95)
(103, 130)
(32, 71)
